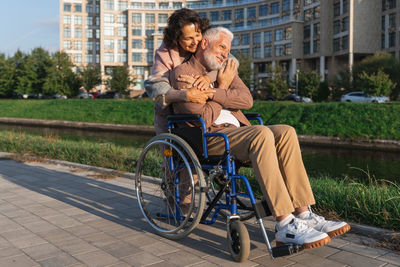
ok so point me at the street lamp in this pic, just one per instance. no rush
(297, 82)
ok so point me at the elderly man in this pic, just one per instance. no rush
(274, 150)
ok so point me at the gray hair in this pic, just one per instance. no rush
(213, 33)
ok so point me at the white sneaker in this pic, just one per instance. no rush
(298, 232)
(332, 228)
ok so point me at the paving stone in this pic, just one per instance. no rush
(355, 260)
(121, 249)
(56, 235)
(63, 221)
(42, 251)
(142, 259)
(40, 226)
(18, 261)
(159, 248)
(96, 258)
(224, 259)
(10, 251)
(81, 230)
(99, 239)
(365, 251)
(75, 246)
(393, 258)
(27, 241)
(309, 259)
(61, 259)
(323, 252)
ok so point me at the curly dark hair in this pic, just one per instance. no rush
(178, 20)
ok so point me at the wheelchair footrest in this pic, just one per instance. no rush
(285, 250)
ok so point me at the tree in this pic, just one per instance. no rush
(277, 85)
(378, 84)
(7, 81)
(308, 83)
(245, 71)
(61, 78)
(119, 81)
(91, 77)
(323, 92)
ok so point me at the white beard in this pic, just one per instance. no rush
(211, 62)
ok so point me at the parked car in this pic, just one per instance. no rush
(110, 95)
(58, 96)
(84, 95)
(363, 97)
(297, 98)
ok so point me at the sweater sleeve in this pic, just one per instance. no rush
(237, 96)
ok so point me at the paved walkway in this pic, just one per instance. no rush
(53, 215)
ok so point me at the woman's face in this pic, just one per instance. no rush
(190, 38)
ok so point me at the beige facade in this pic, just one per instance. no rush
(325, 36)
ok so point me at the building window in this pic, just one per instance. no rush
(122, 31)
(214, 16)
(392, 21)
(286, 5)
(97, 46)
(316, 12)
(78, 20)
(136, 43)
(109, 4)
(78, 7)
(308, 15)
(89, 33)
(278, 50)
(235, 41)
(392, 39)
(239, 24)
(306, 32)
(245, 39)
(78, 45)
(251, 12)
(149, 44)
(308, 2)
(278, 35)
(98, 21)
(67, 32)
(392, 4)
(150, 18)
(263, 22)
(267, 51)
(136, 57)
(89, 21)
(345, 6)
(137, 31)
(122, 19)
(108, 30)
(263, 10)
(89, 58)
(227, 15)
(78, 33)
(150, 30)
(345, 42)
(78, 58)
(139, 70)
(150, 5)
(67, 20)
(257, 38)
(163, 5)
(136, 17)
(336, 9)
(268, 37)
(149, 56)
(383, 44)
(89, 46)
(345, 24)
(67, 44)
(315, 46)
(122, 5)
(121, 57)
(275, 8)
(336, 26)
(108, 44)
(288, 49)
(177, 5)
(136, 5)
(109, 57)
(67, 7)
(306, 48)
(89, 9)
(256, 52)
(108, 18)
(162, 18)
(317, 29)
(336, 44)
(239, 14)
(288, 33)
(122, 44)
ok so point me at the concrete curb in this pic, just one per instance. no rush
(378, 234)
(376, 144)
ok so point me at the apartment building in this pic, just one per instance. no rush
(325, 35)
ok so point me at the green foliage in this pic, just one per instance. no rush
(245, 72)
(277, 85)
(91, 77)
(378, 84)
(342, 84)
(323, 92)
(119, 81)
(308, 83)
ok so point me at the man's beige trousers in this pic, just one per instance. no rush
(275, 156)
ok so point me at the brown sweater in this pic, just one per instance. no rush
(236, 97)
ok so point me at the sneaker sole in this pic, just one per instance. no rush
(315, 244)
(340, 231)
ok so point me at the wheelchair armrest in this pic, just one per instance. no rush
(186, 117)
(254, 116)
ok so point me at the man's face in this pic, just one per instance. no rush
(217, 52)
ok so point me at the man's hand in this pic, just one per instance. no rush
(197, 96)
(226, 74)
(201, 82)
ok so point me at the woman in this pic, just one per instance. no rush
(181, 38)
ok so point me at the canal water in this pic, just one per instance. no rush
(319, 161)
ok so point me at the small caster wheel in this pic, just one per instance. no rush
(238, 241)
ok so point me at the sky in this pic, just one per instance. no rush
(27, 24)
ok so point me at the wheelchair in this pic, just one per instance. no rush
(179, 185)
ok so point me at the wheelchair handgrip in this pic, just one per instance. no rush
(254, 116)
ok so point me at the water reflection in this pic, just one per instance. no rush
(333, 162)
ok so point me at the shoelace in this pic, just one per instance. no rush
(316, 218)
(299, 225)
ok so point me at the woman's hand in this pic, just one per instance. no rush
(198, 96)
(226, 74)
(198, 81)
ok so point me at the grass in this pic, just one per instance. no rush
(351, 120)
(375, 202)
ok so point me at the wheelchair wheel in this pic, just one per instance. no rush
(169, 186)
(238, 241)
